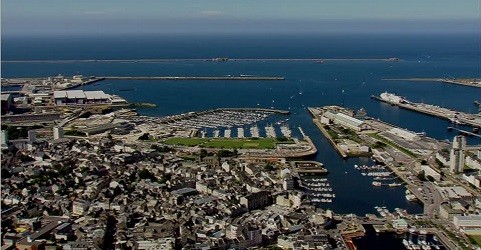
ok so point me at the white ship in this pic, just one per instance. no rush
(410, 196)
(392, 98)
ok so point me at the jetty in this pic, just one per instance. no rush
(464, 132)
(309, 167)
(454, 116)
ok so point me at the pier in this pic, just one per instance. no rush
(444, 113)
(326, 134)
(464, 132)
(227, 133)
(309, 167)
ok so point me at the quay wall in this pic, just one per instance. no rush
(427, 112)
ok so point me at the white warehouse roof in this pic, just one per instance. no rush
(77, 94)
(60, 94)
(92, 95)
(351, 120)
(80, 94)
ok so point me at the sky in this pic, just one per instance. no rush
(228, 16)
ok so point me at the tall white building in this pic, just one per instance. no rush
(4, 138)
(57, 133)
(456, 161)
(32, 136)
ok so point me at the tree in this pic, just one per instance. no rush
(144, 137)
(203, 153)
(269, 167)
(146, 174)
(225, 153)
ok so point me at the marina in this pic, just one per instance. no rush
(217, 118)
(381, 176)
(318, 190)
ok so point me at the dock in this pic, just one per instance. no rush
(240, 132)
(270, 131)
(286, 131)
(255, 132)
(326, 134)
(443, 113)
(309, 167)
(464, 132)
(227, 133)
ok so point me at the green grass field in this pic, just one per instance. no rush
(261, 143)
(475, 239)
(185, 141)
(390, 143)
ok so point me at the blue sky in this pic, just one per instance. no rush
(182, 16)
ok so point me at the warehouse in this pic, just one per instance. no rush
(345, 121)
(75, 97)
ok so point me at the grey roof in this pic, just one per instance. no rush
(5, 97)
(183, 191)
(92, 95)
(75, 94)
(205, 200)
(60, 94)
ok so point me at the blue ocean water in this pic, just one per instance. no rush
(350, 83)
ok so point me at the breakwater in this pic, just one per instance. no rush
(184, 78)
(154, 60)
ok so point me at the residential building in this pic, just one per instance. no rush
(57, 133)
(457, 159)
(257, 200)
(6, 103)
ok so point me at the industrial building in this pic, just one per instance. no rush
(405, 134)
(467, 222)
(345, 121)
(69, 97)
